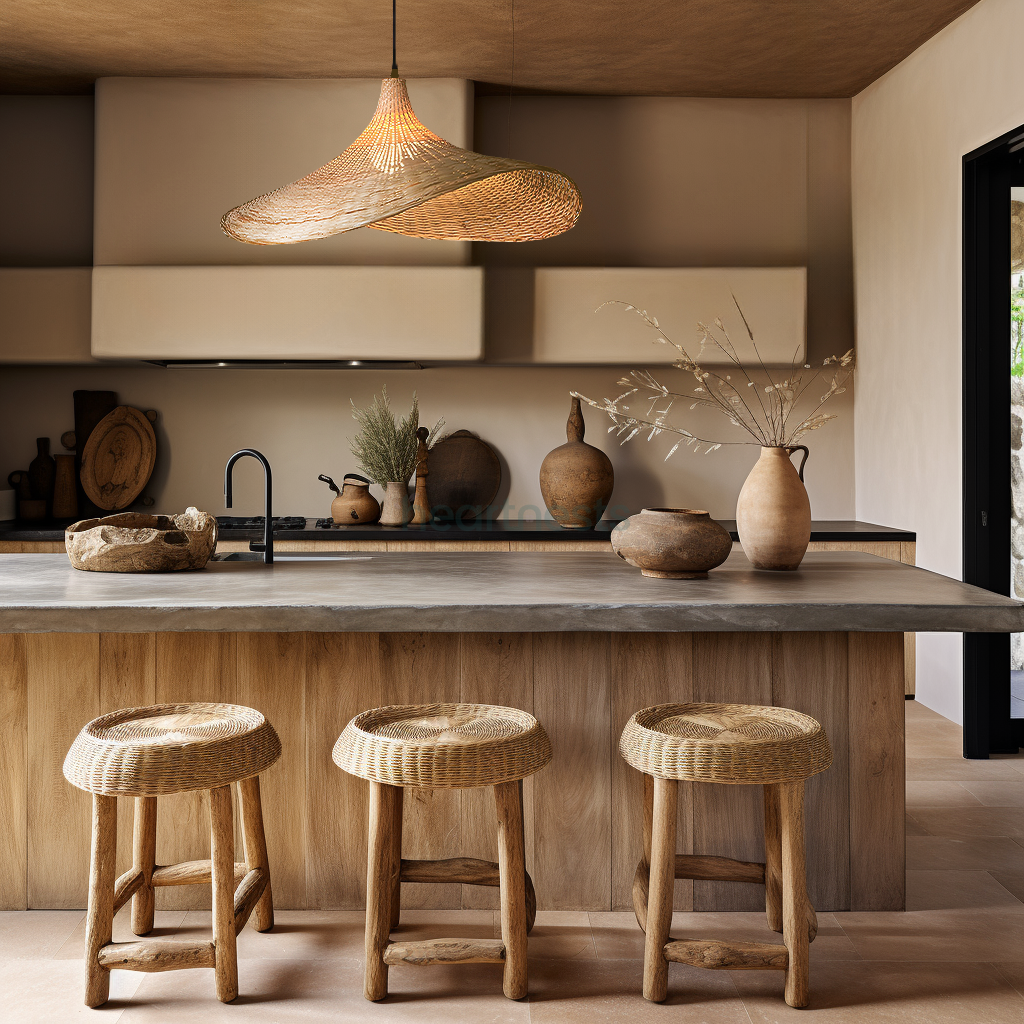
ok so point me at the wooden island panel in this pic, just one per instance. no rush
(582, 811)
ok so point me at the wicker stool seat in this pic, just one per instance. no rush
(171, 748)
(444, 746)
(150, 752)
(735, 744)
(731, 744)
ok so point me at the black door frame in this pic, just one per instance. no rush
(988, 173)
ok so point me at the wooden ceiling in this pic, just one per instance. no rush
(769, 48)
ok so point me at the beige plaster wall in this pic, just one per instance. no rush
(911, 129)
(665, 182)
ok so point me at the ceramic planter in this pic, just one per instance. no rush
(396, 511)
(773, 513)
(672, 543)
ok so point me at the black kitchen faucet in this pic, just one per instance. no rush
(268, 521)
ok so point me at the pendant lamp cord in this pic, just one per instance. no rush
(511, 80)
(394, 39)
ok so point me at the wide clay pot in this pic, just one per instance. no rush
(355, 503)
(672, 543)
(576, 479)
(773, 513)
(396, 511)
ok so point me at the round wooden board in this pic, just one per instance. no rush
(118, 458)
(463, 476)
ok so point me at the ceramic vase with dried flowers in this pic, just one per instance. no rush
(386, 452)
(773, 513)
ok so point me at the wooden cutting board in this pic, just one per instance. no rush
(463, 476)
(118, 458)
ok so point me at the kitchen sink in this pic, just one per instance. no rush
(289, 556)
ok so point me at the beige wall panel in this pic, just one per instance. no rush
(271, 677)
(647, 669)
(343, 677)
(64, 694)
(911, 129)
(127, 680)
(46, 315)
(572, 688)
(810, 674)
(287, 312)
(497, 668)
(174, 155)
(569, 327)
(877, 771)
(423, 668)
(14, 778)
(730, 668)
(189, 667)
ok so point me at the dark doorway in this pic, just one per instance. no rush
(989, 174)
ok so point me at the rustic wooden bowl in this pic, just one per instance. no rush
(135, 542)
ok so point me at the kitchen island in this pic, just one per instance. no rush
(580, 639)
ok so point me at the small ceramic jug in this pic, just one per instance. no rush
(397, 510)
(354, 502)
(773, 513)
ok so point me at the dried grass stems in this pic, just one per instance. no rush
(385, 448)
(764, 407)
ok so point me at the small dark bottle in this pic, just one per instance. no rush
(42, 472)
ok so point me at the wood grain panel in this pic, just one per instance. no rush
(14, 777)
(560, 545)
(189, 667)
(127, 680)
(64, 694)
(329, 545)
(730, 668)
(877, 772)
(809, 674)
(496, 668)
(271, 677)
(883, 549)
(447, 545)
(343, 677)
(647, 669)
(908, 556)
(572, 796)
(423, 668)
(32, 547)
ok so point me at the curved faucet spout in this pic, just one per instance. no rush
(268, 522)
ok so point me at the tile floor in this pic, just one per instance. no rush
(955, 957)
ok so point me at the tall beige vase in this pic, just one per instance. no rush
(773, 513)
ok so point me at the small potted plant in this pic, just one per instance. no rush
(386, 452)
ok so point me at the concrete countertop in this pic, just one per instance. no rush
(496, 592)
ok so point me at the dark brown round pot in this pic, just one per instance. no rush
(672, 543)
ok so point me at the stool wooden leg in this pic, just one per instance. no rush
(396, 836)
(254, 845)
(144, 860)
(99, 920)
(662, 885)
(772, 859)
(508, 798)
(794, 892)
(222, 857)
(381, 871)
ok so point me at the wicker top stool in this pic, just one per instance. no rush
(171, 748)
(738, 744)
(735, 744)
(443, 746)
(151, 752)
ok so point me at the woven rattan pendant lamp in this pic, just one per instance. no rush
(399, 176)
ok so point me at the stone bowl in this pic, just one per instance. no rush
(672, 543)
(135, 542)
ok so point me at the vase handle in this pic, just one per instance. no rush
(803, 462)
